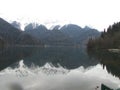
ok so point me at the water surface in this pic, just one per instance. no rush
(54, 68)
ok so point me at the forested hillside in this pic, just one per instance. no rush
(109, 38)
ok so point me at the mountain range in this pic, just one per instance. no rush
(10, 35)
(69, 34)
(35, 34)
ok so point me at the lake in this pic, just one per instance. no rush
(57, 68)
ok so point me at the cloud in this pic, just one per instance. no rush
(40, 78)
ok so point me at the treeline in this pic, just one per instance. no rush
(109, 38)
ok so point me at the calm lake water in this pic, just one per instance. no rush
(57, 68)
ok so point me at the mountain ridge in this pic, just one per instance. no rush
(35, 34)
(67, 34)
(11, 36)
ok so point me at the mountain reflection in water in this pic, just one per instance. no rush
(54, 68)
(49, 77)
(67, 57)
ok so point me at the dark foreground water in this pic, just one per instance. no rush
(57, 68)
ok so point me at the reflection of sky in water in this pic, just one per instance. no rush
(51, 78)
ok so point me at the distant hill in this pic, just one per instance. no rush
(78, 34)
(52, 37)
(70, 34)
(10, 35)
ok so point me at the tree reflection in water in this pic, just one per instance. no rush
(108, 59)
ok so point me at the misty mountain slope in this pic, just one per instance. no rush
(79, 35)
(57, 37)
(9, 35)
(26, 39)
(71, 30)
(8, 32)
(86, 34)
(68, 34)
(37, 32)
(48, 36)
(16, 25)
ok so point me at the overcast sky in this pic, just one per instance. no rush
(98, 14)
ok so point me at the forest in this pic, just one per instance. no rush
(109, 39)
